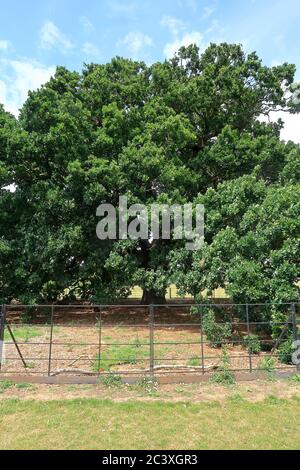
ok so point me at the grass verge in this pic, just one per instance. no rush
(100, 424)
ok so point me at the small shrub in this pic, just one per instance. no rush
(252, 344)
(285, 352)
(216, 333)
(223, 375)
(111, 381)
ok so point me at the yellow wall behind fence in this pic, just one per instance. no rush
(172, 293)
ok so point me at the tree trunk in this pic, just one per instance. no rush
(151, 297)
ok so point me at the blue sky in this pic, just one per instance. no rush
(37, 35)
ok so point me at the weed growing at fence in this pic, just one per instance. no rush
(268, 365)
(216, 333)
(111, 381)
(194, 362)
(223, 375)
(252, 344)
(147, 385)
(30, 365)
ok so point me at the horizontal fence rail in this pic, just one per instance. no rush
(153, 340)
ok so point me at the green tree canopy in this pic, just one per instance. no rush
(185, 130)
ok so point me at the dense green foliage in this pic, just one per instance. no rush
(216, 333)
(185, 130)
(285, 351)
(252, 343)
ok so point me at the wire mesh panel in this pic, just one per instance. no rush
(177, 339)
(125, 341)
(84, 339)
(27, 333)
(75, 340)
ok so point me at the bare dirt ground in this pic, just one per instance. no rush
(205, 392)
(123, 342)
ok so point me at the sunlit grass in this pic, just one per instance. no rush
(135, 352)
(23, 333)
(99, 424)
(121, 354)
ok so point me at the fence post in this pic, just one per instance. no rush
(295, 328)
(51, 340)
(100, 342)
(249, 343)
(201, 339)
(151, 326)
(16, 345)
(2, 328)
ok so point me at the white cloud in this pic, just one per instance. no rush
(4, 45)
(276, 62)
(122, 7)
(291, 129)
(20, 76)
(181, 35)
(87, 24)
(195, 37)
(215, 29)
(136, 41)
(51, 36)
(191, 4)
(208, 11)
(174, 25)
(90, 50)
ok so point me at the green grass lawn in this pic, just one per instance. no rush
(100, 424)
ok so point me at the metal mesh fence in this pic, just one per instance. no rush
(51, 340)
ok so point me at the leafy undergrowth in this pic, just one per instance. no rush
(100, 424)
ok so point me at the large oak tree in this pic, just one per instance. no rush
(185, 130)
